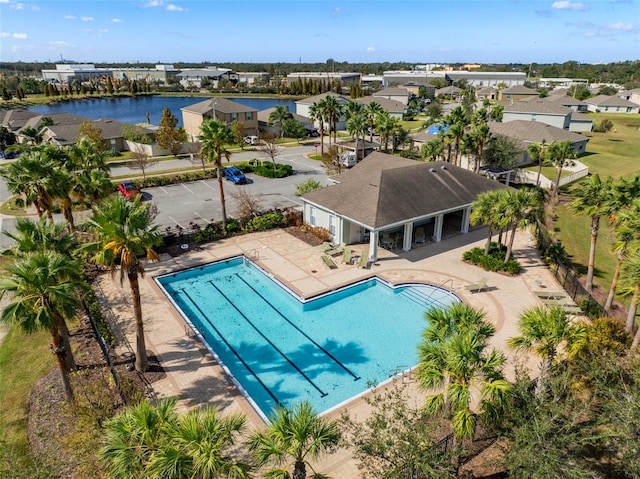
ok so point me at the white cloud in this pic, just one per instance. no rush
(70, 17)
(60, 44)
(371, 49)
(18, 6)
(103, 30)
(154, 3)
(174, 8)
(20, 36)
(86, 19)
(4, 1)
(4, 34)
(624, 27)
(336, 11)
(116, 20)
(567, 5)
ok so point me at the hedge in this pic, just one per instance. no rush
(494, 261)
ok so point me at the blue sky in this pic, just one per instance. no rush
(418, 31)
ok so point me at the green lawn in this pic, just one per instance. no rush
(549, 171)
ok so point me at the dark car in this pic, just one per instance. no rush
(129, 189)
(235, 175)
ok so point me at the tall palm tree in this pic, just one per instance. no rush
(334, 111)
(372, 110)
(537, 152)
(543, 330)
(94, 186)
(215, 134)
(45, 288)
(357, 126)
(432, 150)
(294, 436)
(317, 112)
(279, 114)
(626, 234)
(124, 234)
(386, 126)
(593, 197)
(41, 236)
(522, 207)
(479, 136)
(84, 157)
(559, 154)
(454, 359)
(630, 278)
(153, 441)
(485, 211)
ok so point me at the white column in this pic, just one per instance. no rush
(464, 226)
(373, 246)
(437, 228)
(408, 237)
(508, 178)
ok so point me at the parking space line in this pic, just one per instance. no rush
(186, 188)
(200, 216)
(175, 222)
(164, 190)
(208, 186)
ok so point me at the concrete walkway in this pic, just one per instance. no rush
(193, 375)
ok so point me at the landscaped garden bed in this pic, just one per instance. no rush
(494, 261)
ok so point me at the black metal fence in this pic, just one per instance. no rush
(567, 278)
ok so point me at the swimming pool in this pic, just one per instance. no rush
(281, 350)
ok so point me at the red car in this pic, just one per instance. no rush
(129, 189)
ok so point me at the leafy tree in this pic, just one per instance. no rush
(152, 440)
(270, 149)
(45, 288)
(93, 134)
(593, 198)
(214, 136)
(293, 437)
(543, 330)
(7, 138)
(501, 150)
(237, 129)
(307, 186)
(397, 439)
(453, 359)
(497, 113)
(136, 134)
(168, 136)
(294, 129)
(124, 234)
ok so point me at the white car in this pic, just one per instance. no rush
(252, 140)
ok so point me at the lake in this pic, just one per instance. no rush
(134, 109)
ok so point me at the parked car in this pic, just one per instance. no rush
(235, 175)
(129, 189)
(313, 132)
(252, 140)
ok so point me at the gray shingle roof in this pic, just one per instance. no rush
(263, 116)
(519, 90)
(222, 104)
(391, 106)
(66, 134)
(607, 100)
(15, 119)
(393, 91)
(535, 105)
(312, 99)
(383, 190)
(533, 131)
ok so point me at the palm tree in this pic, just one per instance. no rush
(543, 330)
(333, 110)
(630, 278)
(153, 441)
(279, 114)
(478, 138)
(124, 234)
(593, 197)
(32, 135)
(357, 126)
(454, 360)
(45, 288)
(386, 126)
(537, 152)
(560, 153)
(626, 231)
(317, 112)
(432, 150)
(485, 211)
(522, 207)
(39, 236)
(294, 436)
(215, 134)
(372, 110)
(95, 186)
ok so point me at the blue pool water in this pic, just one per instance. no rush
(282, 350)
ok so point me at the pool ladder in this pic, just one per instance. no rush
(402, 372)
(254, 254)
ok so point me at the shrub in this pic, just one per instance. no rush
(93, 307)
(268, 171)
(307, 186)
(494, 261)
(265, 222)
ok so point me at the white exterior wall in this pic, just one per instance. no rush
(614, 109)
(558, 121)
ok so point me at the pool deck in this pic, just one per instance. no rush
(196, 379)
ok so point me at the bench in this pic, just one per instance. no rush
(328, 262)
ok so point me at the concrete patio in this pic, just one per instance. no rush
(195, 378)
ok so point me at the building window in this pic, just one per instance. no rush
(234, 116)
(332, 224)
(249, 115)
(312, 215)
(533, 118)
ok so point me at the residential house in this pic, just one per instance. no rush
(414, 88)
(395, 108)
(274, 128)
(398, 94)
(387, 195)
(65, 134)
(568, 101)
(611, 104)
(360, 148)
(631, 95)
(487, 93)
(57, 118)
(222, 109)
(303, 107)
(517, 92)
(451, 92)
(537, 110)
(15, 119)
(527, 132)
